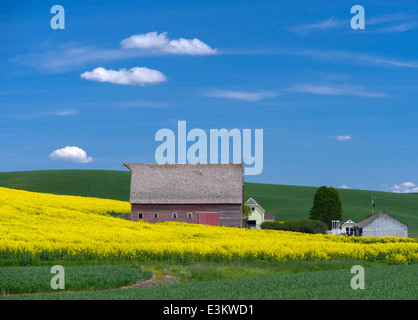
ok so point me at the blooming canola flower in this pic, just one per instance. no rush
(49, 226)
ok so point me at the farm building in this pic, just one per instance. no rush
(209, 194)
(381, 224)
(347, 227)
(258, 215)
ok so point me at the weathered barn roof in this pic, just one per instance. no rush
(368, 220)
(186, 183)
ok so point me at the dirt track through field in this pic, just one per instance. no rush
(154, 281)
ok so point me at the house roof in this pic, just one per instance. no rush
(153, 183)
(368, 220)
(251, 201)
(269, 217)
(346, 221)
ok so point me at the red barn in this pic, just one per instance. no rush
(195, 193)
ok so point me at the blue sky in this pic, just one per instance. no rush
(338, 106)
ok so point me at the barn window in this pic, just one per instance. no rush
(139, 215)
(189, 215)
(174, 215)
(252, 208)
(155, 215)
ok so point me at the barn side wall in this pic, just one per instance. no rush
(385, 226)
(230, 215)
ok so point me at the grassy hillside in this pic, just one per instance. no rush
(105, 184)
(286, 202)
(294, 202)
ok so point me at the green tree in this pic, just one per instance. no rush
(326, 205)
(246, 212)
(369, 215)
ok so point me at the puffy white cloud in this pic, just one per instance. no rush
(160, 43)
(71, 154)
(134, 76)
(344, 187)
(406, 187)
(341, 138)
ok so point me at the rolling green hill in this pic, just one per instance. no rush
(294, 202)
(88, 183)
(286, 202)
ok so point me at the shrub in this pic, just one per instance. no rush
(305, 226)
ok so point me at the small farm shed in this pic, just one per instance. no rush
(209, 194)
(257, 215)
(347, 227)
(381, 224)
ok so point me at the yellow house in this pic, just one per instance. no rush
(258, 215)
(347, 227)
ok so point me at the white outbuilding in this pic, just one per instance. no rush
(347, 227)
(257, 215)
(381, 224)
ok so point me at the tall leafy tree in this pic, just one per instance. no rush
(246, 212)
(326, 205)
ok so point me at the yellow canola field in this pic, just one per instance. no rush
(46, 226)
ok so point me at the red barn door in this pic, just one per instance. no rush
(209, 218)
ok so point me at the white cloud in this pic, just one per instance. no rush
(71, 56)
(40, 114)
(142, 104)
(160, 43)
(344, 187)
(400, 27)
(63, 113)
(341, 137)
(408, 185)
(404, 22)
(242, 95)
(393, 17)
(405, 187)
(133, 76)
(339, 90)
(323, 25)
(71, 154)
(345, 57)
